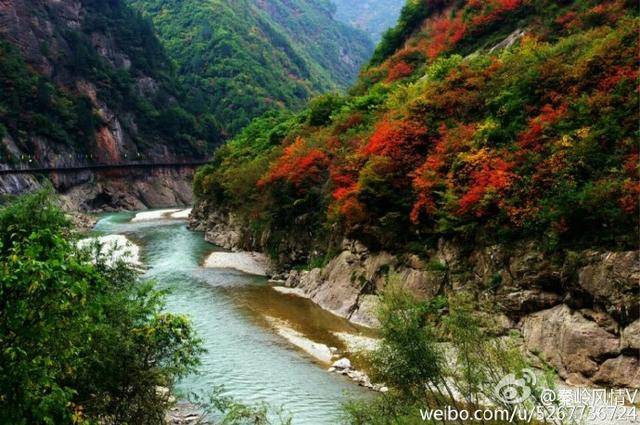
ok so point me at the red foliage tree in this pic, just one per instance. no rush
(492, 10)
(489, 174)
(297, 165)
(630, 199)
(401, 140)
(345, 194)
(446, 32)
(432, 173)
(616, 76)
(532, 137)
(399, 70)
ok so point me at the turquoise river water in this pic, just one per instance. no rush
(228, 309)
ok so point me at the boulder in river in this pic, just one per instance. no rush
(343, 363)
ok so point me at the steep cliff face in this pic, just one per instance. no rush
(87, 82)
(109, 190)
(577, 312)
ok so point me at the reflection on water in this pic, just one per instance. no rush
(228, 310)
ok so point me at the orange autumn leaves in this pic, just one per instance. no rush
(532, 137)
(475, 176)
(488, 174)
(400, 140)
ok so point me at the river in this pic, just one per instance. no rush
(231, 313)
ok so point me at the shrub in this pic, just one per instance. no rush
(321, 109)
(431, 361)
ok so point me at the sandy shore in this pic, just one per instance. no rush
(246, 262)
(114, 248)
(182, 214)
(175, 213)
(290, 291)
(357, 343)
(319, 351)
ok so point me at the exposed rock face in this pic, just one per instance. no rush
(348, 284)
(535, 295)
(128, 189)
(622, 372)
(574, 345)
(631, 336)
(220, 229)
(32, 24)
(223, 238)
(612, 278)
(577, 311)
(509, 41)
(131, 190)
(18, 183)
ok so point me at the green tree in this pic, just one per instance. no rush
(81, 341)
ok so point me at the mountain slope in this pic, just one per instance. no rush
(509, 117)
(532, 138)
(372, 16)
(489, 153)
(89, 79)
(241, 58)
(87, 82)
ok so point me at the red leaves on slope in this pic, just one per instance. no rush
(432, 173)
(492, 10)
(630, 200)
(399, 140)
(477, 175)
(608, 11)
(400, 70)
(492, 175)
(297, 165)
(620, 73)
(446, 33)
(345, 195)
(532, 137)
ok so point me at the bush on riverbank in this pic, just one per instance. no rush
(81, 341)
(433, 360)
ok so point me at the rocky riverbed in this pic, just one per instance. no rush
(329, 341)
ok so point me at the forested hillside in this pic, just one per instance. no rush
(84, 81)
(372, 16)
(241, 58)
(91, 81)
(483, 120)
